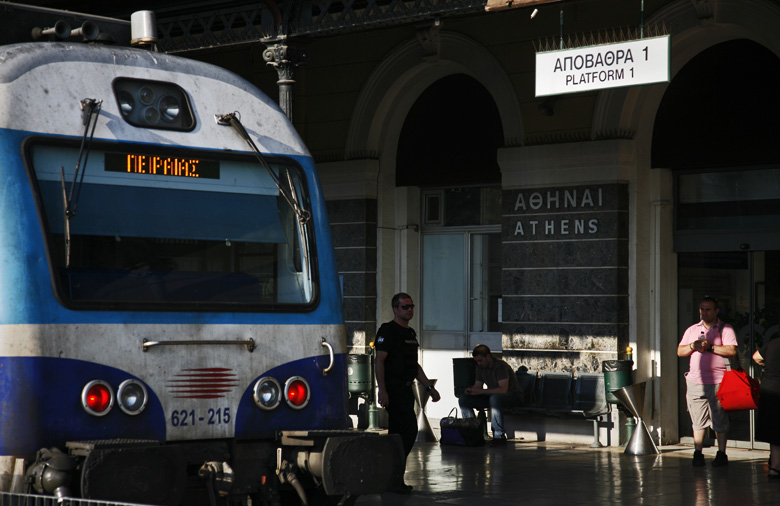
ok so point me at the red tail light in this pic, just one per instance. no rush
(97, 398)
(296, 392)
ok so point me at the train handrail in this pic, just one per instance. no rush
(330, 352)
(249, 343)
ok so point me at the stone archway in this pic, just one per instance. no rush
(394, 86)
(631, 112)
(376, 124)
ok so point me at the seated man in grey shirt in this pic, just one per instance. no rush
(503, 391)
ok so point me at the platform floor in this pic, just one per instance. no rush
(548, 474)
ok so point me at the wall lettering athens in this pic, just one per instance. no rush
(564, 273)
(564, 227)
(559, 212)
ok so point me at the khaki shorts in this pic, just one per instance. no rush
(704, 407)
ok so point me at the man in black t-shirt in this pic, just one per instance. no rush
(396, 368)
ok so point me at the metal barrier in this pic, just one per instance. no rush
(9, 499)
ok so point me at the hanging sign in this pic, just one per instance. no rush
(643, 61)
(499, 5)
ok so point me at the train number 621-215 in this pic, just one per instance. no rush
(185, 418)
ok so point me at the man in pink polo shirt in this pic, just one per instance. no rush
(709, 343)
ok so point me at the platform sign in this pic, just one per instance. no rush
(632, 63)
(499, 5)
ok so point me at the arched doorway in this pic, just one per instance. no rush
(715, 130)
(447, 147)
(450, 136)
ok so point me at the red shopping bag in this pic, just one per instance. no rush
(738, 391)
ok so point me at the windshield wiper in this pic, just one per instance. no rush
(90, 110)
(290, 195)
(232, 119)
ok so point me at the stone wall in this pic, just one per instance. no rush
(565, 276)
(353, 226)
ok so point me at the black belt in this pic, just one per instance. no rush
(400, 384)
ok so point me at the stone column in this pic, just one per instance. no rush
(285, 55)
(567, 257)
(350, 190)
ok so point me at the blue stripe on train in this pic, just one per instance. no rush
(40, 404)
(327, 408)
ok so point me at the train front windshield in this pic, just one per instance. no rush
(174, 230)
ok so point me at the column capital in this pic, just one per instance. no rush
(285, 55)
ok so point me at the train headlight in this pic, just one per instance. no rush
(146, 94)
(132, 397)
(170, 108)
(153, 104)
(267, 393)
(296, 392)
(126, 103)
(97, 398)
(151, 115)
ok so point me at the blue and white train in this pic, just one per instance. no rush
(170, 313)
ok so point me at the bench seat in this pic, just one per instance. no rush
(560, 394)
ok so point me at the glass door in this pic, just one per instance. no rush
(485, 291)
(460, 304)
(461, 290)
(747, 286)
(444, 291)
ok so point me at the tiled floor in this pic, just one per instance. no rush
(542, 474)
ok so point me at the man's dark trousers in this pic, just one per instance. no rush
(400, 411)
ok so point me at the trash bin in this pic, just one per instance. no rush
(358, 373)
(464, 374)
(617, 374)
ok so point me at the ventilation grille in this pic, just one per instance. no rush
(207, 383)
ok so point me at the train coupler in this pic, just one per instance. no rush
(219, 479)
(52, 473)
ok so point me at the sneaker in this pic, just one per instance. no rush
(721, 459)
(403, 488)
(698, 458)
(500, 440)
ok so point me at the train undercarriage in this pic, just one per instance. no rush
(301, 467)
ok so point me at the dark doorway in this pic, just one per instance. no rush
(450, 136)
(720, 110)
(715, 129)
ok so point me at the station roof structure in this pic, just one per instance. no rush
(191, 26)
